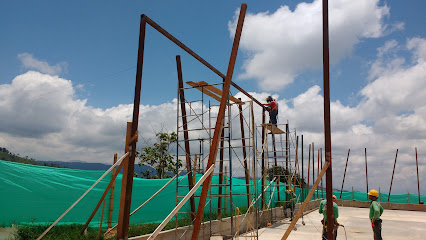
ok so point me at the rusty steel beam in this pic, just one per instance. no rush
(344, 174)
(219, 122)
(313, 163)
(243, 141)
(318, 167)
(393, 171)
(418, 184)
(127, 180)
(263, 159)
(185, 134)
(322, 189)
(196, 56)
(303, 175)
(327, 127)
(309, 165)
(366, 169)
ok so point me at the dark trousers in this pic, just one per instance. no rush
(324, 231)
(273, 117)
(377, 229)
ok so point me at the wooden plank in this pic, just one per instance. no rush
(100, 223)
(204, 90)
(149, 199)
(272, 128)
(111, 197)
(305, 203)
(81, 197)
(219, 92)
(181, 203)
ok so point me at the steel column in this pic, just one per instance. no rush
(393, 171)
(185, 135)
(243, 141)
(366, 170)
(303, 176)
(418, 184)
(262, 171)
(344, 174)
(313, 163)
(327, 127)
(219, 122)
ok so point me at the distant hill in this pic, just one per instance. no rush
(12, 157)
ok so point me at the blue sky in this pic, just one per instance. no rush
(67, 72)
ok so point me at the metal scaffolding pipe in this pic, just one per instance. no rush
(366, 171)
(418, 184)
(344, 174)
(393, 171)
(327, 127)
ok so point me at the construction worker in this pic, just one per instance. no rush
(323, 210)
(376, 211)
(291, 198)
(272, 109)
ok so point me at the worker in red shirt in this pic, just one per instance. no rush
(272, 109)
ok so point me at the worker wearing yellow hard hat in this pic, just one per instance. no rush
(323, 210)
(376, 210)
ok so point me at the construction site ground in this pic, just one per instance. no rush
(397, 224)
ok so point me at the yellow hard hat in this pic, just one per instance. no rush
(373, 192)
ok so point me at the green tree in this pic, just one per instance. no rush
(158, 156)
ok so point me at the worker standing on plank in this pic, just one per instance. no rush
(272, 109)
(376, 211)
(323, 210)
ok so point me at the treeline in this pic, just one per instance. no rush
(15, 157)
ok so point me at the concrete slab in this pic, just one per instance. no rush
(397, 224)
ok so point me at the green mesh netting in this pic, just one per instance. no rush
(38, 194)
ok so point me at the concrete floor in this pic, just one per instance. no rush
(397, 224)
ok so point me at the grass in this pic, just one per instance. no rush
(60, 232)
(72, 232)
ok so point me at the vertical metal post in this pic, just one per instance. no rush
(185, 134)
(313, 164)
(418, 184)
(327, 127)
(111, 197)
(309, 166)
(393, 171)
(127, 180)
(219, 122)
(243, 141)
(262, 171)
(344, 174)
(123, 217)
(366, 170)
(318, 167)
(287, 171)
(322, 188)
(303, 176)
